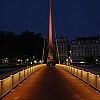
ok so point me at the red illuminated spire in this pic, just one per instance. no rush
(50, 43)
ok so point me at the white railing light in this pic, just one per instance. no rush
(97, 75)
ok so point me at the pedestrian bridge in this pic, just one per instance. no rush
(50, 83)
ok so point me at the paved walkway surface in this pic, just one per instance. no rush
(52, 84)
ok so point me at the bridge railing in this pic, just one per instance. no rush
(8, 82)
(92, 78)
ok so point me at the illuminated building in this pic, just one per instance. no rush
(86, 47)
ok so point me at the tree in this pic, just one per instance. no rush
(26, 45)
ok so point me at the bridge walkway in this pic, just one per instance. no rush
(52, 84)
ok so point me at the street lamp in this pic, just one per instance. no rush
(96, 61)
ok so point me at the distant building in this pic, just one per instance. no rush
(61, 46)
(86, 48)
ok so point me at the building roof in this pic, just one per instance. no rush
(86, 40)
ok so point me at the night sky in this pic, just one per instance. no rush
(72, 18)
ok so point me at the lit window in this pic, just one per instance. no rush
(96, 41)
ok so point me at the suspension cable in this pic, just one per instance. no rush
(43, 50)
(57, 48)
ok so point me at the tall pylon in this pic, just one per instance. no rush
(50, 43)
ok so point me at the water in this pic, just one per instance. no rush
(9, 68)
(92, 67)
(6, 70)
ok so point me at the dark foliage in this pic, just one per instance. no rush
(26, 45)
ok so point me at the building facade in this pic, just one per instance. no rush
(86, 49)
(61, 46)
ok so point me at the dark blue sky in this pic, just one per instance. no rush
(71, 18)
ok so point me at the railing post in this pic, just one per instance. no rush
(12, 80)
(0, 88)
(81, 75)
(96, 81)
(88, 77)
(24, 73)
(77, 73)
(73, 70)
(19, 77)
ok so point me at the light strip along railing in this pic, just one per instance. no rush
(92, 78)
(8, 82)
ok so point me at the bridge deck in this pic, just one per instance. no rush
(52, 84)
